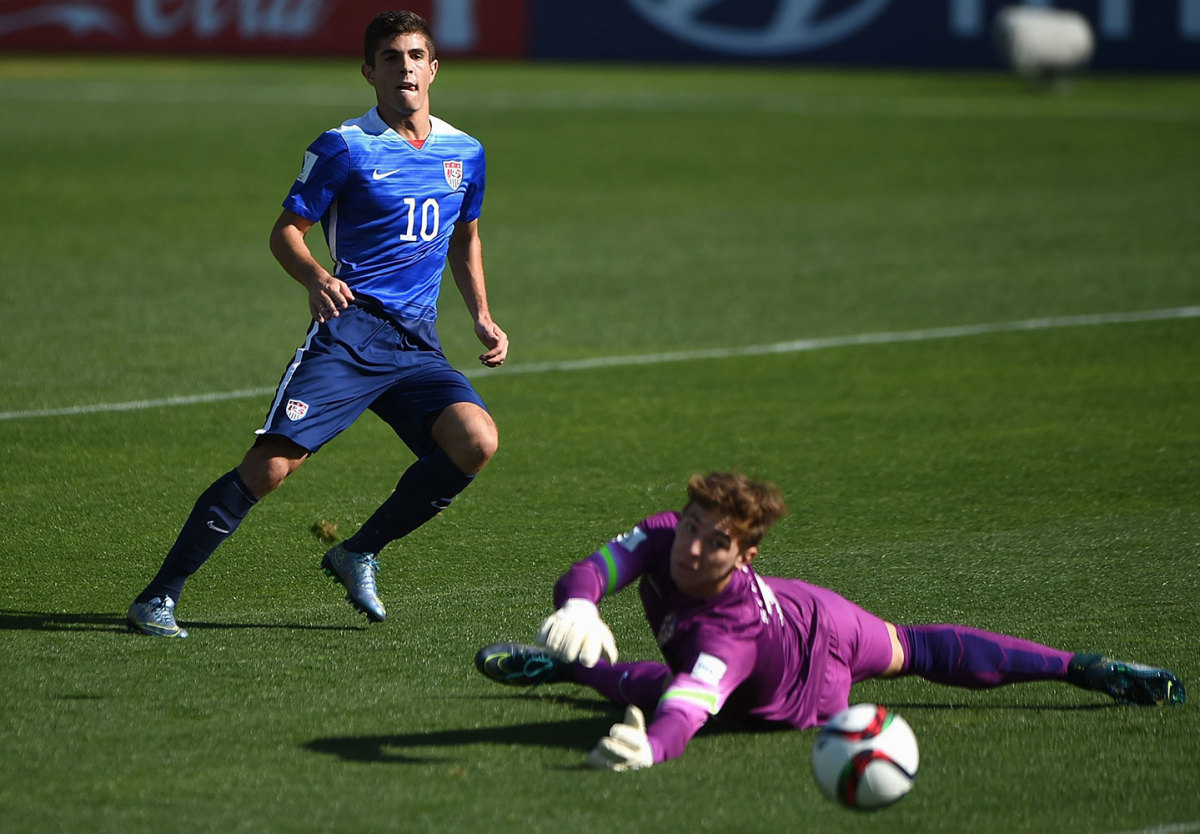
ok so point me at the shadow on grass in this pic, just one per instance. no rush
(900, 706)
(71, 621)
(556, 695)
(577, 734)
(726, 724)
(580, 734)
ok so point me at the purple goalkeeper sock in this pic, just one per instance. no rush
(640, 684)
(957, 655)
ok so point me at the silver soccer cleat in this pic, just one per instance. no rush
(356, 573)
(156, 618)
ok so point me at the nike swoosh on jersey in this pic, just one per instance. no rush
(376, 175)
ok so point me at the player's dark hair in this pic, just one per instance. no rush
(749, 507)
(388, 25)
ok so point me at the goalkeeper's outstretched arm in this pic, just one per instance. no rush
(575, 632)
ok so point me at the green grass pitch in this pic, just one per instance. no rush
(1041, 479)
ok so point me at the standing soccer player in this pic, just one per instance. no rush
(398, 194)
(748, 646)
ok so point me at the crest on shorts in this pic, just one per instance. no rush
(453, 169)
(296, 410)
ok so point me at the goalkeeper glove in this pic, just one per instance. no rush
(626, 747)
(575, 632)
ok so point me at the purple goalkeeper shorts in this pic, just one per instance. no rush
(859, 644)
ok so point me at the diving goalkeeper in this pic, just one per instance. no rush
(742, 645)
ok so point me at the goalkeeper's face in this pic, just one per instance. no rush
(705, 553)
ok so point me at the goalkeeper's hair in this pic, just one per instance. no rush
(387, 25)
(750, 507)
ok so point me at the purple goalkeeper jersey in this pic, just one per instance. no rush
(776, 650)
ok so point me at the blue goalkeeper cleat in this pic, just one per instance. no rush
(156, 618)
(516, 664)
(1127, 683)
(356, 573)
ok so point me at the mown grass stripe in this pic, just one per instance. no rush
(796, 346)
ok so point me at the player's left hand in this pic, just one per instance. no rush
(496, 342)
(626, 747)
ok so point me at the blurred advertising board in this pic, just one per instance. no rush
(1160, 35)
(1129, 34)
(481, 28)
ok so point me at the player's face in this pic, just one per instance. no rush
(704, 554)
(402, 75)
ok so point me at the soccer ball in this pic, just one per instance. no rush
(865, 757)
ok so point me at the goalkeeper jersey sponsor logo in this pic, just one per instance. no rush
(709, 669)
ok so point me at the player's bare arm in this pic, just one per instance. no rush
(465, 257)
(327, 295)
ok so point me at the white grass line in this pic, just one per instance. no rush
(886, 338)
(1169, 828)
(138, 405)
(797, 346)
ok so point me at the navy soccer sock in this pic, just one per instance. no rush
(961, 656)
(218, 512)
(424, 490)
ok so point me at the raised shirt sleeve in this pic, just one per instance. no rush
(323, 174)
(613, 567)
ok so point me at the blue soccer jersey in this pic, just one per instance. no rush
(388, 209)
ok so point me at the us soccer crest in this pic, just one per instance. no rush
(296, 410)
(453, 169)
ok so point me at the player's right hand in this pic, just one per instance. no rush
(327, 297)
(575, 632)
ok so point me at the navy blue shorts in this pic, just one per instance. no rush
(359, 361)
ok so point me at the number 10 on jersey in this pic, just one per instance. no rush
(430, 219)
